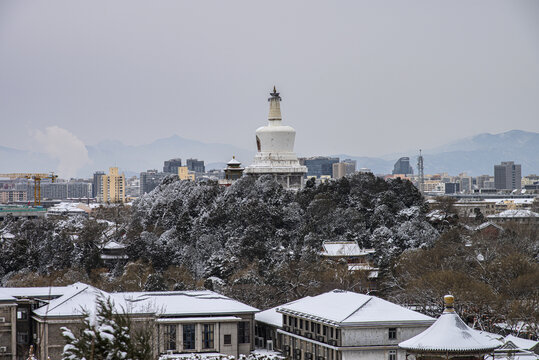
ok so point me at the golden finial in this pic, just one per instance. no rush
(274, 89)
(449, 300)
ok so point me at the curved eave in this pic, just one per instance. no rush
(454, 350)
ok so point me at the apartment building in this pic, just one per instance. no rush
(112, 187)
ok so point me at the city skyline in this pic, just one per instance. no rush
(408, 74)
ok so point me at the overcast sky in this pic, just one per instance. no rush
(356, 77)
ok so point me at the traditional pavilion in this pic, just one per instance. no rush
(275, 150)
(233, 172)
(449, 338)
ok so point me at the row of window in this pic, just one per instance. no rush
(313, 327)
(207, 333)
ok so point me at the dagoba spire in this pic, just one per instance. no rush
(275, 107)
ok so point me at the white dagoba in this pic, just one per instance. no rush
(275, 145)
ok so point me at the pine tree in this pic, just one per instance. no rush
(106, 337)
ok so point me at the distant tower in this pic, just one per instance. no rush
(275, 150)
(421, 180)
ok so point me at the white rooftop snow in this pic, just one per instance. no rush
(344, 248)
(450, 333)
(349, 308)
(82, 296)
(515, 214)
(113, 245)
(28, 292)
(270, 317)
(524, 344)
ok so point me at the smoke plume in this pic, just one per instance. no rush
(62, 145)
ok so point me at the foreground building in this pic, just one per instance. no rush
(275, 150)
(449, 338)
(343, 325)
(180, 321)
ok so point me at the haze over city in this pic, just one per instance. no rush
(362, 78)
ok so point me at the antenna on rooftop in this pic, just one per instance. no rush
(421, 180)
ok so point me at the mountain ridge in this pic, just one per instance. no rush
(475, 155)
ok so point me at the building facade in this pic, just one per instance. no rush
(275, 150)
(319, 166)
(196, 165)
(171, 166)
(508, 175)
(178, 321)
(346, 167)
(112, 187)
(342, 325)
(96, 183)
(150, 179)
(402, 166)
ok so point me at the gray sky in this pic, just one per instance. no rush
(356, 77)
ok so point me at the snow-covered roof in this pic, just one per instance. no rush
(344, 248)
(450, 334)
(515, 214)
(270, 317)
(233, 161)
(524, 344)
(66, 207)
(347, 308)
(483, 226)
(7, 235)
(113, 245)
(11, 293)
(178, 303)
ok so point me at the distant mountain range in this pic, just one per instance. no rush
(475, 155)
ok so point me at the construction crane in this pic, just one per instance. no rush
(37, 177)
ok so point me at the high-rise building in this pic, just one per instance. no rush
(452, 188)
(196, 165)
(96, 183)
(402, 166)
(275, 150)
(319, 166)
(113, 187)
(344, 168)
(171, 166)
(507, 176)
(150, 179)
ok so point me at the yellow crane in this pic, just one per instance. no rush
(37, 177)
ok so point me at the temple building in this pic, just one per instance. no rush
(275, 150)
(449, 338)
(233, 172)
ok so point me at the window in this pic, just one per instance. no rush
(243, 332)
(284, 319)
(289, 321)
(207, 336)
(169, 337)
(337, 331)
(301, 323)
(227, 339)
(22, 338)
(318, 328)
(392, 333)
(295, 322)
(312, 326)
(307, 325)
(325, 330)
(392, 354)
(22, 314)
(189, 337)
(331, 332)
